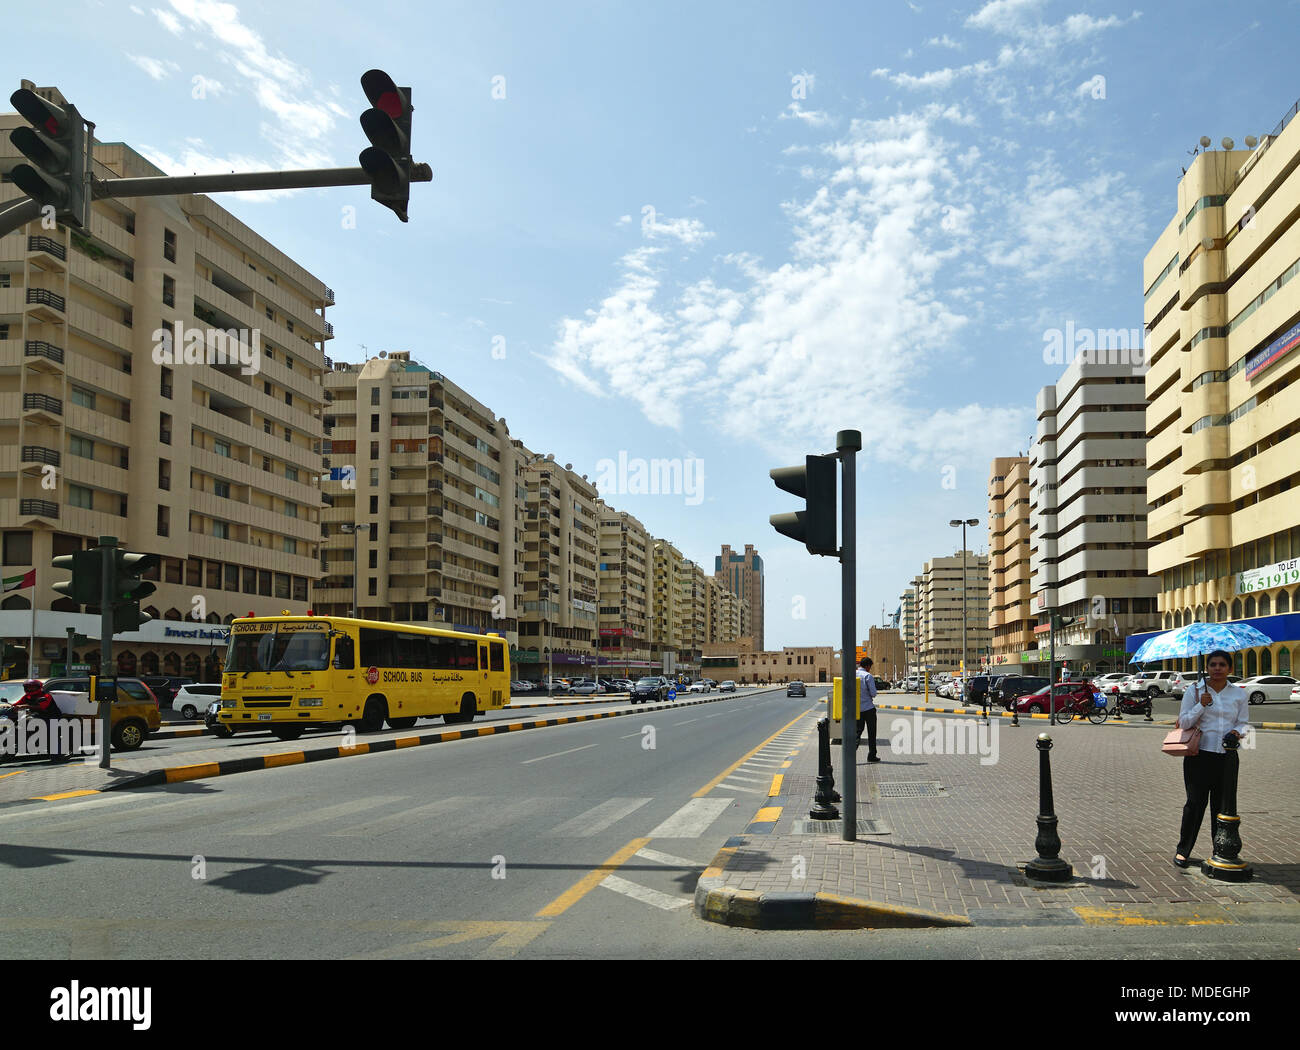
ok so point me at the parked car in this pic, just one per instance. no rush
(796, 689)
(650, 690)
(1152, 684)
(190, 700)
(698, 687)
(585, 687)
(212, 721)
(165, 687)
(1063, 693)
(1015, 686)
(1269, 687)
(727, 687)
(133, 715)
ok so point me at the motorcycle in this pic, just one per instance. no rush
(1129, 705)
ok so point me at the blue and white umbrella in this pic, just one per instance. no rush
(1197, 639)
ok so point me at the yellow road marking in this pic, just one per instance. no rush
(741, 761)
(13, 774)
(767, 814)
(507, 937)
(591, 880)
(776, 784)
(67, 794)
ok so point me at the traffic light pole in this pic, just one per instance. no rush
(847, 444)
(107, 547)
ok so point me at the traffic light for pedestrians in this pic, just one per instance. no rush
(387, 125)
(814, 526)
(85, 587)
(56, 144)
(128, 587)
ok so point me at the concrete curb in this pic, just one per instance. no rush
(715, 901)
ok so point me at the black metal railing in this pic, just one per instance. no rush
(45, 297)
(48, 245)
(41, 507)
(40, 348)
(40, 454)
(42, 403)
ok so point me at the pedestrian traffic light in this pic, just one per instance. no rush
(387, 125)
(128, 587)
(56, 144)
(814, 526)
(85, 587)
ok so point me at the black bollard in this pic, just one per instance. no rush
(1226, 864)
(826, 794)
(1047, 866)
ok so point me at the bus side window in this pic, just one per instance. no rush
(483, 657)
(498, 656)
(343, 653)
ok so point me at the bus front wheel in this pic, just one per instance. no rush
(372, 717)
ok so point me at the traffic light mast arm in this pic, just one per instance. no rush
(166, 185)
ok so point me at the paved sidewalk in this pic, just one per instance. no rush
(953, 830)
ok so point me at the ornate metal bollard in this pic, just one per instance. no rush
(826, 793)
(1226, 863)
(1047, 866)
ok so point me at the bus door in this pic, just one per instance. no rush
(344, 656)
(483, 667)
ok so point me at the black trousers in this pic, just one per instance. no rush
(1203, 779)
(868, 720)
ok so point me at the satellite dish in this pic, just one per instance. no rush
(383, 353)
(568, 466)
(1227, 143)
(1205, 141)
(1251, 141)
(1207, 243)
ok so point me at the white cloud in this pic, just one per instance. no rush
(157, 68)
(169, 21)
(814, 118)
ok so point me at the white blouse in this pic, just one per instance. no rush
(1229, 710)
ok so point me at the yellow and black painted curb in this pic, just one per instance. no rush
(204, 770)
(1135, 720)
(715, 901)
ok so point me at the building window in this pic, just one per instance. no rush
(83, 447)
(83, 397)
(80, 496)
(290, 546)
(221, 530)
(169, 245)
(374, 395)
(169, 291)
(222, 448)
(222, 489)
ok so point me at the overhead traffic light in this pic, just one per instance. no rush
(814, 526)
(56, 144)
(85, 587)
(128, 587)
(1061, 622)
(387, 125)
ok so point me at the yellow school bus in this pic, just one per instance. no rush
(284, 673)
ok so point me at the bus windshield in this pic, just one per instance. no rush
(281, 649)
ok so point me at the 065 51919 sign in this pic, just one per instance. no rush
(1280, 574)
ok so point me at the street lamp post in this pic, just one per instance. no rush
(963, 522)
(354, 529)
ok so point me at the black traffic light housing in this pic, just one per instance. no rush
(86, 586)
(128, 587)
(815, 481)
(387, 125)
(57, 147)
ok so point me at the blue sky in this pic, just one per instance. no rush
(715, 232)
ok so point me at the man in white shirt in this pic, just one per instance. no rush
(1217, 708)
(867, 719)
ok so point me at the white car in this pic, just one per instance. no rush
(580, 688)
(192, 700)
(1269, 687)
(1111, 683)
(1152, 684)
(698, 687)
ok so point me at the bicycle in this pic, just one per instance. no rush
(1088, 707)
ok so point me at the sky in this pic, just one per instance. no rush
(714, 234)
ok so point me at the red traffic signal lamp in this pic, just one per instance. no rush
(387, 125)
(814, 526)
(57, 146)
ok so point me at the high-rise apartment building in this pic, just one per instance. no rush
(1087, 476)
(160, 382)
(1222, 313)
(939, 611)
(1011, 614)
(667, 608)
(742, 575)
(626, 584)
(907, 623)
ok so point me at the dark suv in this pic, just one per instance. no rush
(650, 691)
(165, 687)
(1013, 686)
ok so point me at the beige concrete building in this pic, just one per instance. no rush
(668, 612)
(742, 575)
(939, 611)
(1011, 613)
(626, 583)
(189, 442)
(695, 623)
(808, 664)
(1222, 313)
(908, 624)
(885, 647)
(728, 615)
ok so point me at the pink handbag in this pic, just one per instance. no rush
(1182, 743)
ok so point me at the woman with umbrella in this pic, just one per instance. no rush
(1217, 708)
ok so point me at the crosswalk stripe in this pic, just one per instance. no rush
(406, 817)
(47, 812)
(749, 780)
(644, 894)
(319, 816)
(646, 853)
(693, 819)
(741, 787)
(598, 818)
(119, 819)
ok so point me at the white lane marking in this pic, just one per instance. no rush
(667, 858)
(542, 758)
(750, 780)
(120, 818)
(60, 808)
(644, 894)
(740, 787)
(686, 723)
(693, 819)
(598, 818)
(320, 816)
(406, 818)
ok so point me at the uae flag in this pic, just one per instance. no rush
(18, 583)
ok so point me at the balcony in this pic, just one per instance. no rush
(38, 508)
(38, 348)
(40, 454)
(42, 403)
(47, 245)
(46, 298)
